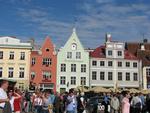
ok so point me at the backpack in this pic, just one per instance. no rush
(137, 105)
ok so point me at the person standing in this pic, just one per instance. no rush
(17, 102)
(4, 101)
(136, 103)
(71, 102)
(47, 106)
(12, 98)
(57, 103)
(148, 103)
(38, 103)
(125, 102)
(80, 103)
(114, 103)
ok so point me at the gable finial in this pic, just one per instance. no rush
(74, 30)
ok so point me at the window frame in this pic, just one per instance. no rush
(102, 75)
(73, 80)
(94, 75)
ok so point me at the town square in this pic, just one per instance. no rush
(74, 56)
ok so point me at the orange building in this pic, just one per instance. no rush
(43, 66)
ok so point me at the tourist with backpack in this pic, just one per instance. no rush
(136, 104)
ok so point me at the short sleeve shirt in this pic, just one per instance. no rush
(3, 95)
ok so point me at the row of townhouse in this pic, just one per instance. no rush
(110, 65)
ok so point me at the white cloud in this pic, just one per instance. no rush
(125, 22)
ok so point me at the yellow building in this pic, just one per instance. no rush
(15, 61)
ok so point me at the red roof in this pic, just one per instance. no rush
(129, 56)
(100, 53)
(34, 52)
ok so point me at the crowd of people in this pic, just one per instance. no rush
(16, 101)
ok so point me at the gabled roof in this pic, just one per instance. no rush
(100, 53)
(48, 42)
(73, 38)
(144, 55)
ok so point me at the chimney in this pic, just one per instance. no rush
(142, 47)
(108, 37)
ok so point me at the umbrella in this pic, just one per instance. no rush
(132, 90)
(145, 91)
(114, 90)
(99, 89)
(81, 88)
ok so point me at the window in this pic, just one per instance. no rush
(94, 75)
(21, 73)
(1, 71)
(47, 50)
(1, 54)
(73, 80)
(63, 68)
(62, 80)
(134, 64)
(135, 76)
(46, 75)
(148, 72)
(119, 64)
(69, 55)
(10, 72)
(11, 55)
(109, 53)
(83, 68)
(94, 63)
(78, 55)
(33, 61)
(119, 76)
(110, 63)
(102, 75)
(22, 56)
(73, 67)
(102, 63)
(32, 75)
(83, 80)
(110, 76)
(47, 61)
(127, 76)
(119, 53)
(127, 64)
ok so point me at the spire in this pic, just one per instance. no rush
(74, 30)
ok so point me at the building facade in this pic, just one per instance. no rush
(15, 61)
(72, 65)
(43, 66)
(142, 51)
(114, 67)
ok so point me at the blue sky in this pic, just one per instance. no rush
(126, 20)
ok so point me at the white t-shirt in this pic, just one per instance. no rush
(12, 102)
(3, 95)
(38, 101)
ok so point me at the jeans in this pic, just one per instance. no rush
(71, 111)
(45, 111)
(38, 109)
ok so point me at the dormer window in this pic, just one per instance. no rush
(119, 53)
(109, 52)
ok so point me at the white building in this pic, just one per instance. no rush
(113, 66)
(72, 65)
